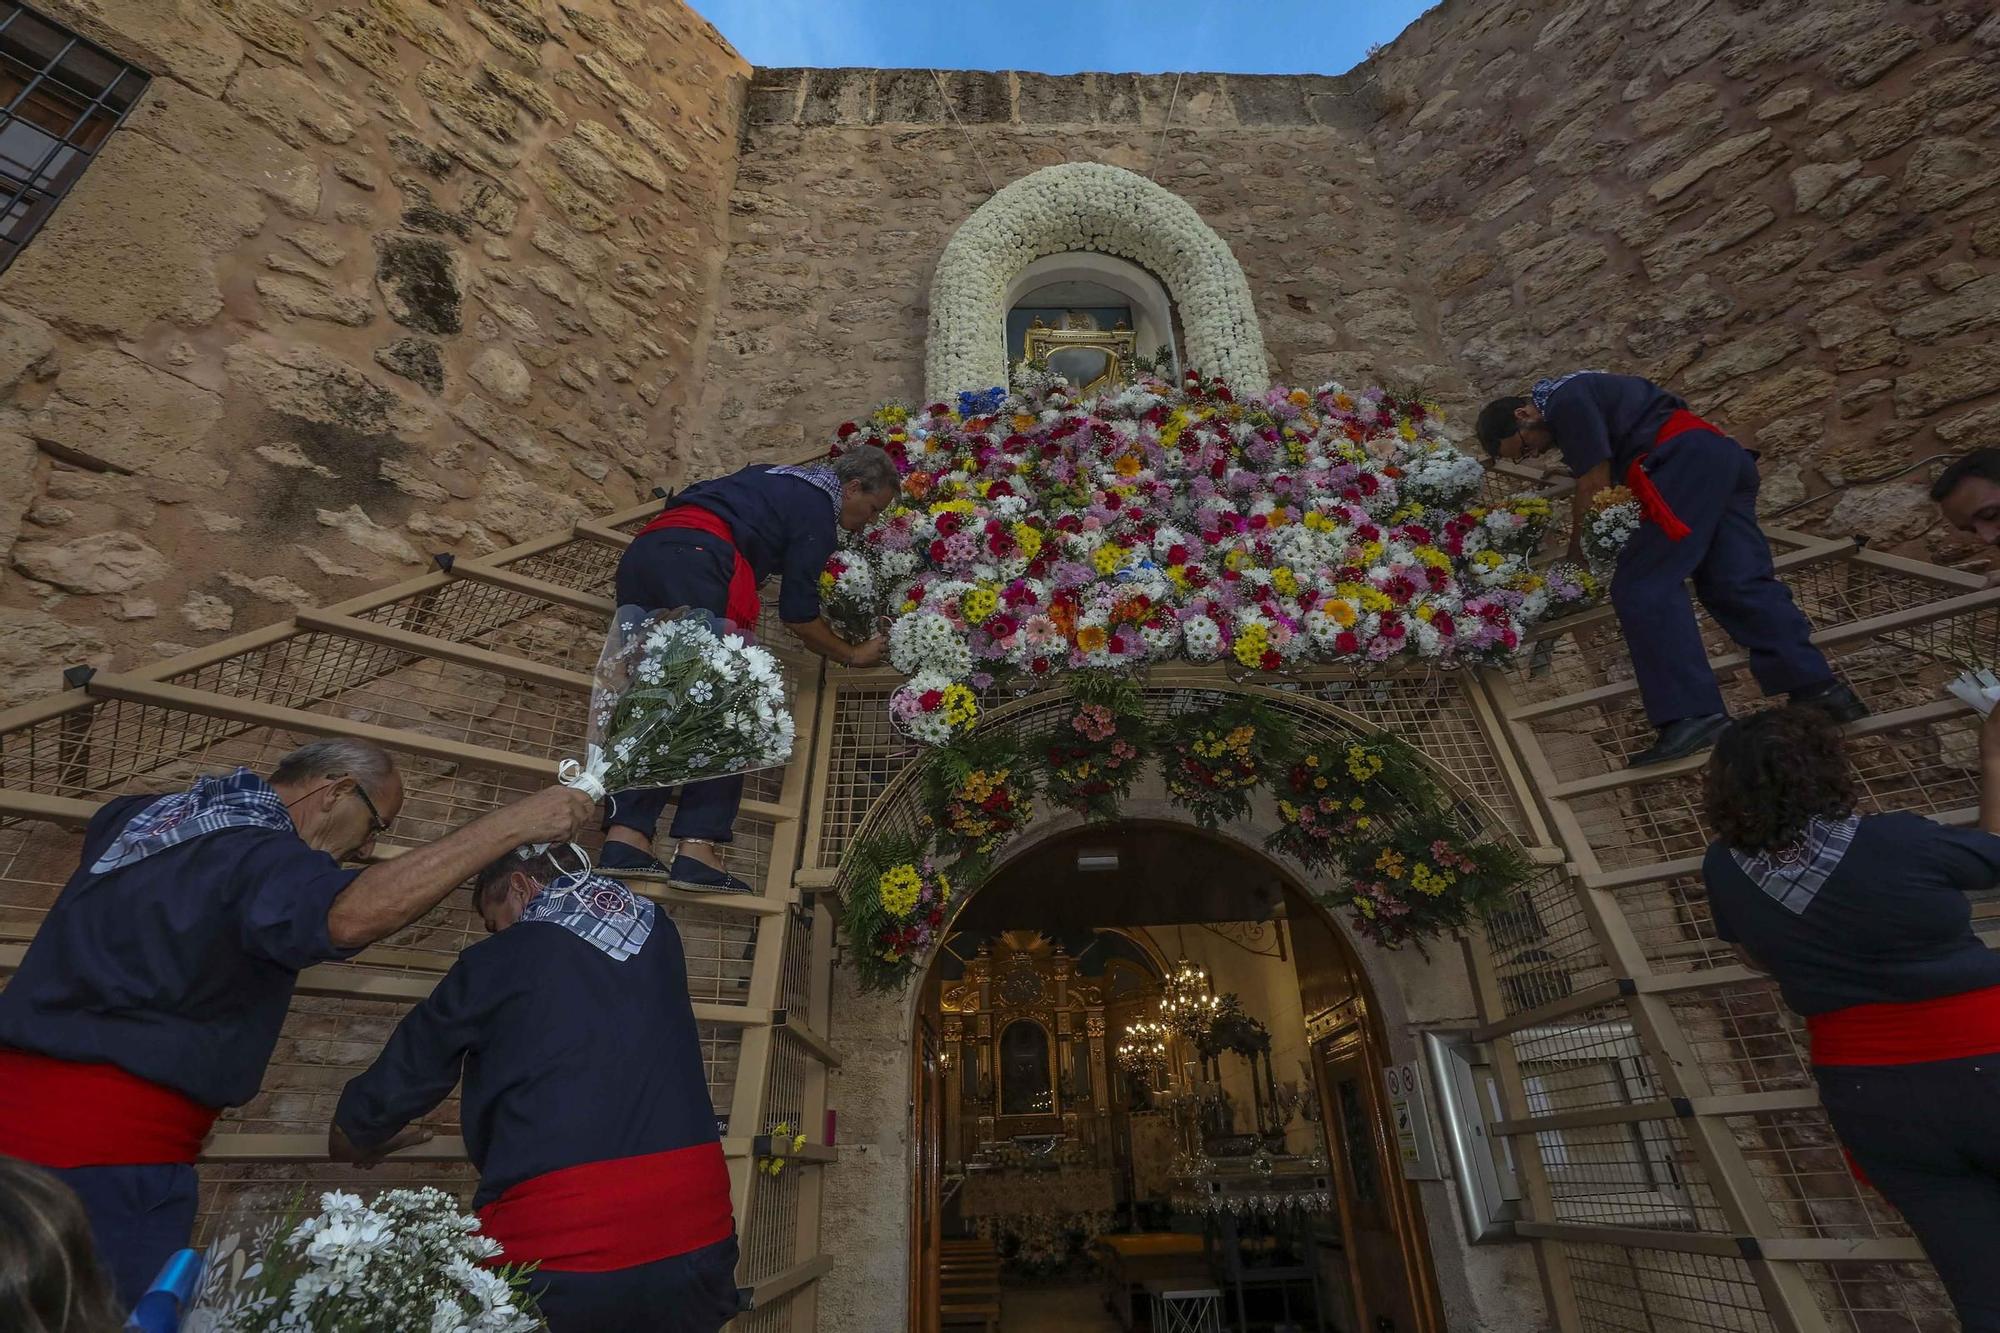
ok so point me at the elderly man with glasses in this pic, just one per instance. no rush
(1697, 494)
(152, 995)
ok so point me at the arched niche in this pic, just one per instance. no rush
(1152, 308)
(1100, 210)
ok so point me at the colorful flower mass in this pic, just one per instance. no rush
(1038, 535)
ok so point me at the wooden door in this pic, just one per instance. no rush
(927, 1122)
(1388, 1260)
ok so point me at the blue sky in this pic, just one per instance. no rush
(1220, 36)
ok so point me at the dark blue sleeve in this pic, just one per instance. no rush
(1716, 864)
(1577, 417)
(420, 1065)
(288, 889)
(812, 542)
(1967, 858)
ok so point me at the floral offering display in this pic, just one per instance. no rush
(894, 910)
(1037, 534)
(1098, 749)
(1422, 878)
(931, 708)
(1340, 791)
(674, 700)
(980, 793)
(407, 1259)
(1214, 758)
(1614, 516)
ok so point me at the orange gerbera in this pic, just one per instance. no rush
(1092, 637)
(1127, 465)
(917, 485)
(1063, 616)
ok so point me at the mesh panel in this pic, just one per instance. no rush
(1744, 1039)
(1625, 1290)
(1881, 1298)
(1541, 945)
(1804, 1177)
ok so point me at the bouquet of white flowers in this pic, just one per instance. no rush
(1614, 516)
(851, 595)
(407, 1260)
(675, 701)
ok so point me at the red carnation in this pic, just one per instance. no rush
(847, 428)
(1346, 643)
(930, 700)
(937, 553)
(1271, 661)
(1177, 554)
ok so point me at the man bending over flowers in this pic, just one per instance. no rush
(585, 1104)
(1697, 493)
(714, 544)
(153, 993)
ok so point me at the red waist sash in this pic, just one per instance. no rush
(621, 1213)
(61, 1113)
(1653, 506)
(1913, 1032)
(743, 605)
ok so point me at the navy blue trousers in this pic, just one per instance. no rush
(139, 1216)
(1711, 482)
(1925, 1137)
(664, 571)
(689, 1293)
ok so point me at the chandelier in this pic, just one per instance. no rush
(1144, 1047)
(1186, 1006)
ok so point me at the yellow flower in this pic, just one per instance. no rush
(1299, 398)
(1487, 559)
(1177, 575)
(961, 706)
(1431, 556)
(1250, 645)
(1238, 560)
(1316, 521)
(1028, 539)
(825, 582)
(1407, 431)
(979, 604)
(1090, 638)
(953, 507)
(1288, 812)
(1369, 552)
(1430, 882)
(1127, 464)
(1285, 581)
(1374, 599)
(898, 889)
(1407, 513)
(1340, 612)
(1363, 764)
(1425, 612)
(1109, 558)
(1390, 863)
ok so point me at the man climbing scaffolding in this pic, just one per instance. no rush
(1697, 490)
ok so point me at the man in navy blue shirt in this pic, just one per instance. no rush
(1697, 491)
(152, 995)
(584, 1102)
(708, 551)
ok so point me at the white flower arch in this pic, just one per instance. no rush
(1087, 206)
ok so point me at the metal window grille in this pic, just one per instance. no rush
(63, 98)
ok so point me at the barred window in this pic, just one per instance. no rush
(62, 97)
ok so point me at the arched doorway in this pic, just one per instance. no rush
(1262, 1169)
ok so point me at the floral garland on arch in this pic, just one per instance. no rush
(1408, 868)
(1039, 535)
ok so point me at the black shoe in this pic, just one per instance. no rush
(626, 862)
(1835, 697)
(692, 875)
(1680, 739)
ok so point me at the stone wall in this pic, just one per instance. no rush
(850, 182)
(355, 283)
(1786, 208)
